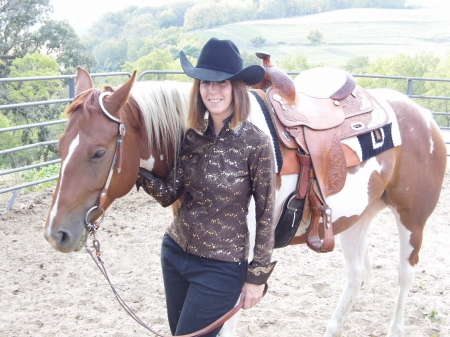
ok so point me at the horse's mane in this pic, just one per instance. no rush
(82, 99)
(164, 107)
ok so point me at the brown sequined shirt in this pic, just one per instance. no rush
(218, 176)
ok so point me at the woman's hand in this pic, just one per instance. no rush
(251, 294)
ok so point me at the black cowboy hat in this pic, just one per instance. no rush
(220, 60)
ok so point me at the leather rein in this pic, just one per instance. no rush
(93, 227)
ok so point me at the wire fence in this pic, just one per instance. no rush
(44, 140)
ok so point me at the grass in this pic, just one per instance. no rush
(433, 315)
(347, 34)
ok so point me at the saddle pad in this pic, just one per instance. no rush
(259, 103)
(375, 142)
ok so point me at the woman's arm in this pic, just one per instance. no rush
(262, 170)
(165, 191)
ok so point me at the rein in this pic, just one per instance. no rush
(92, 229)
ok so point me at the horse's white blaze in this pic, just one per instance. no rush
(354, 190)
(54, 210)
(148, 164)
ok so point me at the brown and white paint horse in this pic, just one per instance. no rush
(407, 179)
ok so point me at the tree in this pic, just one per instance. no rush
(8, 140)
(250, 58)
(357, 65)
(296, 62)
(111, 55)
(158, 59)
(25, 28)
(315, 36)
(400, 65)
(33, 65)
(59, 40)
(17, 17)
(258, 41)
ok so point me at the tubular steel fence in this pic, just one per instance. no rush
(71, 93)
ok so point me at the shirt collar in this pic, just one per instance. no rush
(207, 125)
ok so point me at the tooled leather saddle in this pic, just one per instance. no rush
(311, 115)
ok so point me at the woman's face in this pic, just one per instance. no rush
(217, 97)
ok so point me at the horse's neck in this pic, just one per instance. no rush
(163, 107)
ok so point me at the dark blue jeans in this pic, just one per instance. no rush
(198, 290)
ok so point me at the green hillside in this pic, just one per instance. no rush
(347, 34)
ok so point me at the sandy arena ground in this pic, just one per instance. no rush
(47, 293)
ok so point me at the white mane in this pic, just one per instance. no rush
(164, 106)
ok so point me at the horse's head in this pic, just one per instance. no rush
(91, 142)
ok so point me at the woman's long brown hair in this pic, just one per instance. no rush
(240, 103)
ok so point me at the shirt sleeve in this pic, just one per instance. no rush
(262, 170)
(165, 191)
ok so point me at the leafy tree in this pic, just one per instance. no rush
(168, 19)
(214, 13)
(157, 60)
(19, 36)
(250, 59)
(58, 39)
(400, 65)
(173, 39)
(315, 36)
(433, 88)
(180, 9)
(258, 41)
(33, 65)
(111, 55)
(17, 17)
(357, 65)
(8, 140)
(294, 63)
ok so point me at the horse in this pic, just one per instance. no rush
(100, 162)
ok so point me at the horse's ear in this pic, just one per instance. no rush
(120, 96)
(83, 81)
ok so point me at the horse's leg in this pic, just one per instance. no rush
(412, 203)
(353, 242)
(406, 273)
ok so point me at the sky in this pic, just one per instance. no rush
(82, 13)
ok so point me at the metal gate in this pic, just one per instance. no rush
(71, 87)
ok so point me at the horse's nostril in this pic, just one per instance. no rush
(63, 238)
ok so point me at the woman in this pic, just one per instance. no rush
(224, 160)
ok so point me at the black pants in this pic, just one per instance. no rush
(198, 290)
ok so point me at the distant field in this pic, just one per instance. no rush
(347, 34)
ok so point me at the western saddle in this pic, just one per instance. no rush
(311, 115)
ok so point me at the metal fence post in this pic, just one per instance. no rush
(409, 90)
(72, 87)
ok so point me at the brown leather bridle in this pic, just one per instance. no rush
(93, 227)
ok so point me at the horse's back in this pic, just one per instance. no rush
(422, 154)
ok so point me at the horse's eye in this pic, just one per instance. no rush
(99, 154)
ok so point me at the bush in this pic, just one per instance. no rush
(315, 36)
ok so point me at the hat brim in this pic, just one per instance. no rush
(250, 75)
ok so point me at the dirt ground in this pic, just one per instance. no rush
(46, 293)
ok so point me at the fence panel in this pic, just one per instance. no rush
(410, 82)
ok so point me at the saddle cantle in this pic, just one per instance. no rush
(311, 115)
